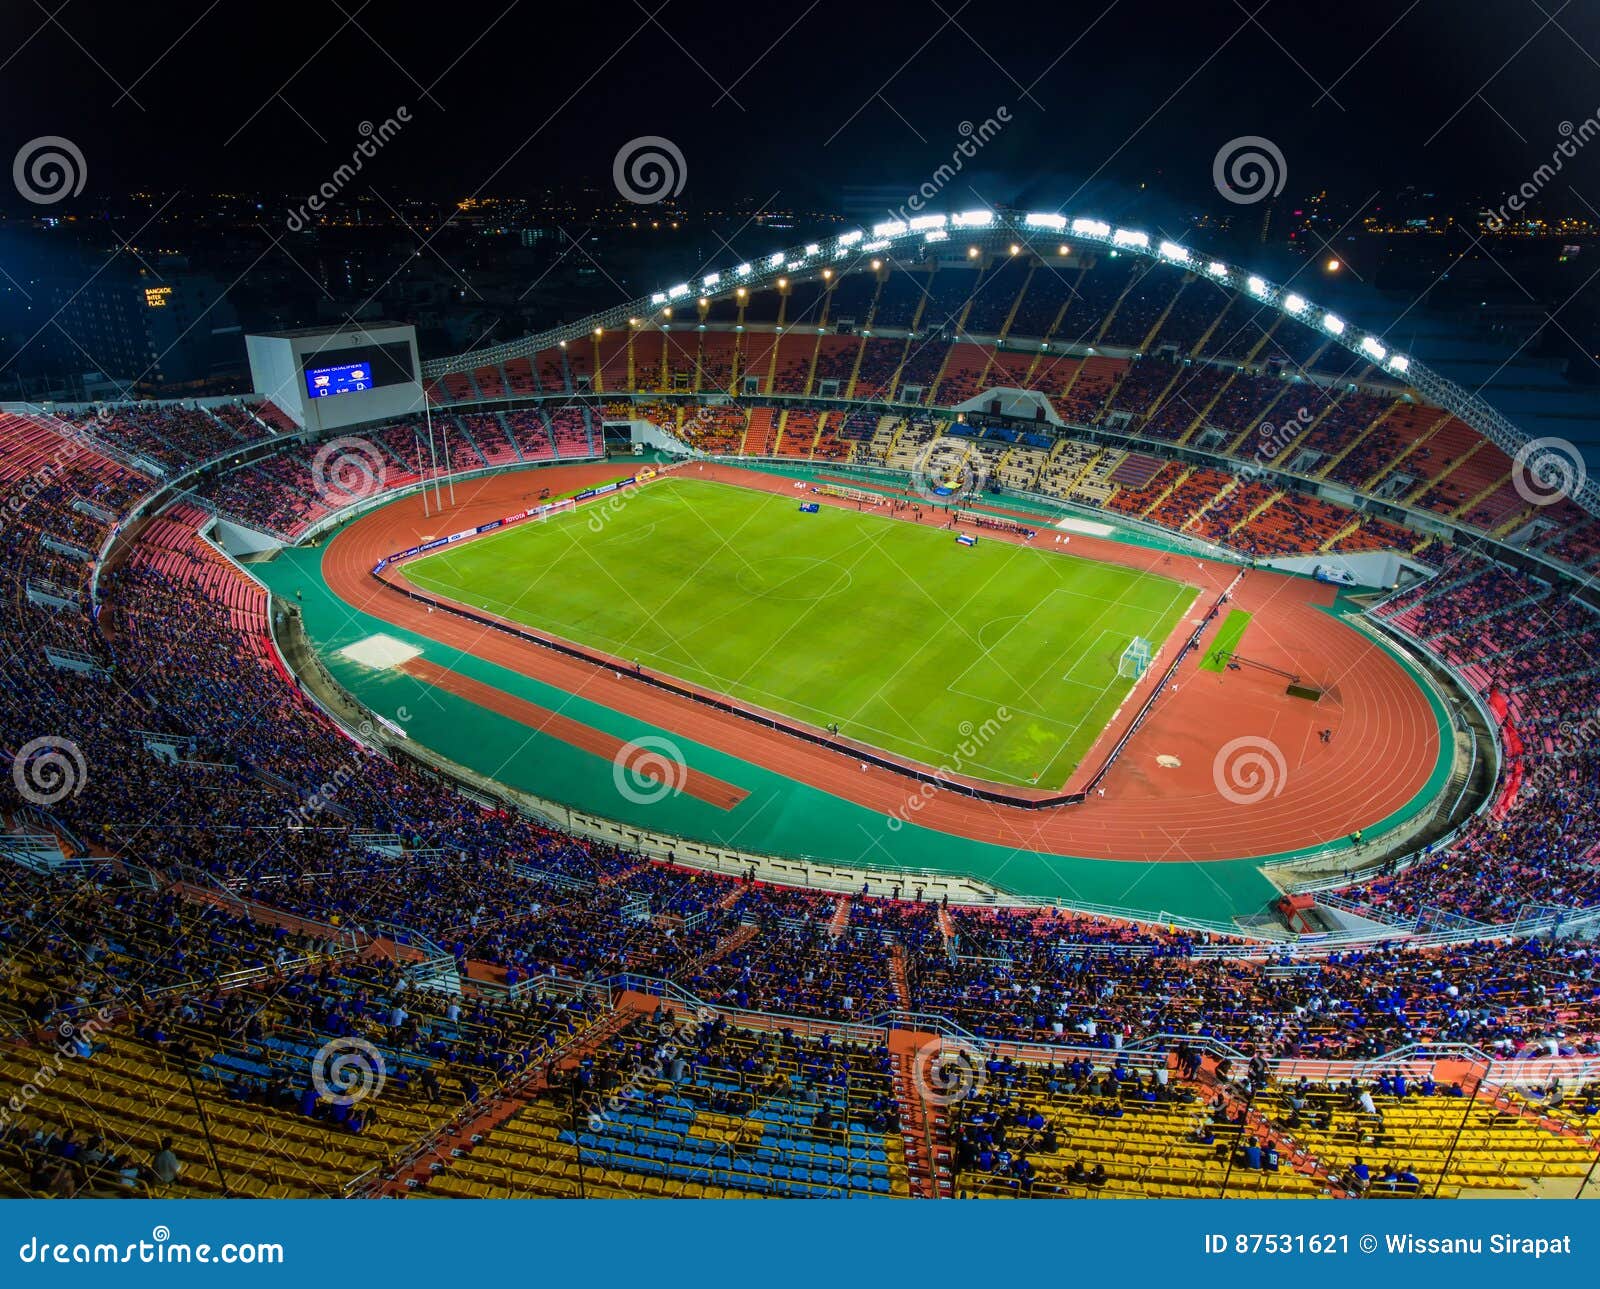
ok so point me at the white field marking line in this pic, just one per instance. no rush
(986, 655)
(1088, 654)
(1077, 654)
(1113, 684)
(687, 668)
(647, 617)
(950, 618)
(868, 547)
(1139, 578)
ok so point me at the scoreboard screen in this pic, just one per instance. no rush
(345, 378)
(350, 371)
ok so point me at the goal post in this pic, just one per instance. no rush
(1135, 659)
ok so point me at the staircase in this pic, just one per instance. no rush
(924, 1125)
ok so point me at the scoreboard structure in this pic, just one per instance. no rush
(327, 378)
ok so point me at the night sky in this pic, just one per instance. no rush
(1460, 97)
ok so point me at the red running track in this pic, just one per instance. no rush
(1163, 801)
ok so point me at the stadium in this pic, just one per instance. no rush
(697, 604)
(987, 705)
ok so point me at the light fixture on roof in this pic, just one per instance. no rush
(1091, 228)
(1399, 363)
(1041, 219)
(1130, 237)
(1294, 303)
(1218, 270)
(889, 228)
(1372, 348)
(1172, 251)
(974, 219)
(1333, 324)
(1258, 287)
(710, 280)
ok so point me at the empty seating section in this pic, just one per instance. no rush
(949, 293)
(1141, 307)
(1139, 389)
(763, 433)
(964, 375)
(792, 374)
(1140, 481)
(923, 361)
(1042, 301)
(530, 432)
(1083, 402)
(880, 360)
(488, 435)
(800, 430)
(997, 292)
(520, 380)
(716, 362)
(1194, 494)
(901, 298)
(569, 428)
(1187, 397)
(836, 360)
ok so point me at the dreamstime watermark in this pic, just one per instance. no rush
(43, 476)
(947, 1070)
(649, 769)
(944, 472)
(49, 769)
(1573, 139)
(347, 1071)
(1249, 769)
(160, 1249)
(649, 169)
(1249, 169)
(974, 138)
(974, 738)
(75, 1041)
(1271, 440)
(348, 470)
(49, 169)
(373, 139)
(675, 1035)
(1548, 470)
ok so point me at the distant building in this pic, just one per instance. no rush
(165, 329)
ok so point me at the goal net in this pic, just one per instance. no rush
(1135, 659)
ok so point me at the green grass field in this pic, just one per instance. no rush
(995, 661)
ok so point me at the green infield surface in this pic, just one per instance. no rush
(995, 661)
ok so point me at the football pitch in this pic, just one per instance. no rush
(994, 661)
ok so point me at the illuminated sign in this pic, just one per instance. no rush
(155, 297)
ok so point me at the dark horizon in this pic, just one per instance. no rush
(803, 103)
